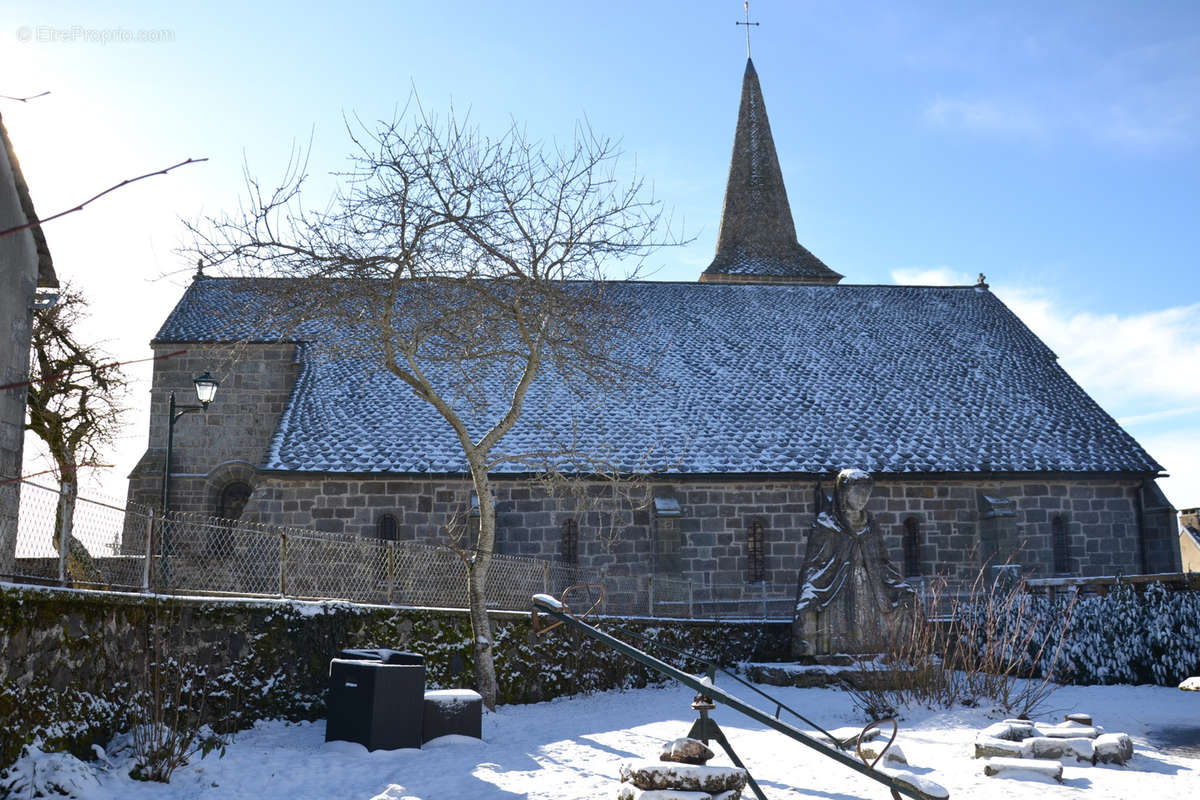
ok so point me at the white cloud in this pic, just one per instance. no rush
(1176, 451)
(1143, 99)
(1141, 368)
(931, 276)
(990, 116)
(1136, 364)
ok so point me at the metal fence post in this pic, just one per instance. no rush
(545, 577)
(390, 553)
(691, 600)
(64, 531)
(604, 583)
(650, 596)
(283, 565)
(149, 551)
(764, 598)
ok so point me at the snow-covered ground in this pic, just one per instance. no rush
(572, 748)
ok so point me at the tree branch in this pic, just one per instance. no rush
(79, 207)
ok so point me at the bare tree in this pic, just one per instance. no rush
(465, 266)
(74, 403)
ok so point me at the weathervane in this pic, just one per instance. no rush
(747, 23)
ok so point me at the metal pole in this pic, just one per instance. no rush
(764, 598)
(166, 493)
(548, 605)
(650, 592)
(604, 595)
(149, 550)
(282, 563)
(691, 601)
(390, 554)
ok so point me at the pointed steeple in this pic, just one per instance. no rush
(757, 242)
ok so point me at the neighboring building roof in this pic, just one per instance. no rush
(775, 378)
(757, 242)
(46, 277)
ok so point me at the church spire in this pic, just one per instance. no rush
(757, 242)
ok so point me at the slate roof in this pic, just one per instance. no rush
(757, 240)
(772, 379)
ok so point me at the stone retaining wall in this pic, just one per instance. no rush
(68, 658)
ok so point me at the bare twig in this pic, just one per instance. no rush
(113, 188)
(52, 378)
(24, 99)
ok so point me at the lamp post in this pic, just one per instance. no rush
(206, 390)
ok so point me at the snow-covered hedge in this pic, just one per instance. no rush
(1121, 637)
(1126, 637)
(68, 658)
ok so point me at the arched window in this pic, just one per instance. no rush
(756, 552)
(385, 528)
(570, 542)
(912, 547)
(1061, 544)
(232, 500)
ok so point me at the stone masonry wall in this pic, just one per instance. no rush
(68, 659)
(1100, 516)
(228, 442)
(225, 442)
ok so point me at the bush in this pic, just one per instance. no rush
(1004, 645)
(1124, 637)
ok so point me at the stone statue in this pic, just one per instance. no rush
(850, 596)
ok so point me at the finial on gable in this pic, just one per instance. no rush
(199, 276)
(981, 284)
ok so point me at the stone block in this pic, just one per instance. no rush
(686, 751)
(1068, 730)
(992, 746)
(452, 711)
(660, 775)
(918, 783)
(1023, 768)
(1113, 748)
(627, 791)
(893, 755)
(1079, 749)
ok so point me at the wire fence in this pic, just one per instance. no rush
(136, 549)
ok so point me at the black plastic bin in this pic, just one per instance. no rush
(376, 698)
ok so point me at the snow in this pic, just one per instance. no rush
(1191, 684)
(548, 602)
(452, 698)
(573, 748)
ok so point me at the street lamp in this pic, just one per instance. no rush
(206, 390)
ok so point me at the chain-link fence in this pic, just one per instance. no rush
(88, 552)
(135, 548)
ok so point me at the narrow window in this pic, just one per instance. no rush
(1061, 544)
(385, 528)
(570, 542)
(668, 541)
(912, 547)
(756, 552)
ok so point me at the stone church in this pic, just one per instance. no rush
(777, 375)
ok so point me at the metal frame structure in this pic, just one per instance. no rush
(550, 606)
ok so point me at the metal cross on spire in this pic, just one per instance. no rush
(747, 23)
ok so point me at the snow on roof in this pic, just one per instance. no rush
(751, 379)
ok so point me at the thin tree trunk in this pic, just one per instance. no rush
(481, 629)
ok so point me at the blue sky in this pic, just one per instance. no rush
(1054, 147)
